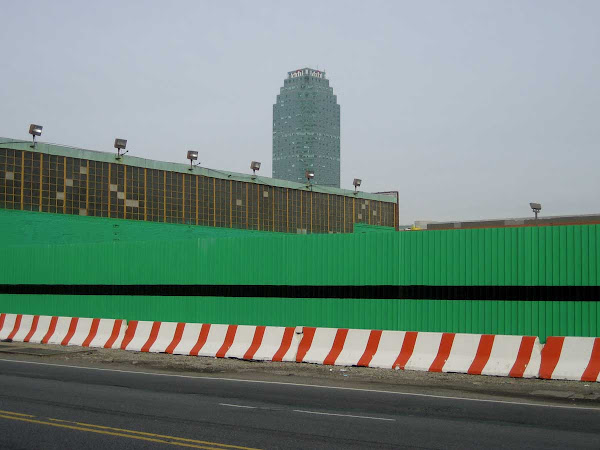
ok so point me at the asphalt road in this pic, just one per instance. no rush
(58, 407)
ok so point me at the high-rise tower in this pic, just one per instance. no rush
(306, 129)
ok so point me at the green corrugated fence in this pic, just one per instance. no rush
(27, 228)
(563, 261)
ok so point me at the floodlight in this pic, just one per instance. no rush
(536, 207)
(255, 165)
(35, 130)
(192, 155)
(120, 144)
(357, 182)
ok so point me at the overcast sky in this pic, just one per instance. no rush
(471, 109)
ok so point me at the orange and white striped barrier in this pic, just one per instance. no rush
(515, 356)
(571, 358)
(106, 333)
(221, 341)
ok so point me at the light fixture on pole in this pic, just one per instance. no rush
(309, 174)
(357, 182)
(255, 165)
(192, 155)
(536, 207)
(120, 144)
(35, 130)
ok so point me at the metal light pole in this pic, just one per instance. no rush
(536, 208)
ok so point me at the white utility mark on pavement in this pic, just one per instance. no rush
(343, 415)
(238, 406)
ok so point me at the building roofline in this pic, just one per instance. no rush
(580, 219)
(95, 155)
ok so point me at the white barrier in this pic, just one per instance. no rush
(571, 358)
(107, 333)
(515, 356)
(221, 341)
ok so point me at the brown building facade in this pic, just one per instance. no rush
(65, 180)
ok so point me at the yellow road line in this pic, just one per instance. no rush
(15, 414)
(110, 433)
(153, 434)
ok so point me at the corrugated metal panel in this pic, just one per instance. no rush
(493, 317)
(545, 256)
(559, 256)
(27, 228)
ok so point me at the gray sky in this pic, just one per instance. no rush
(471, 109)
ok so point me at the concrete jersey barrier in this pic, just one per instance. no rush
(221, 341)
(85, 332)
(571, 358)
(566, 358)
(515, 356)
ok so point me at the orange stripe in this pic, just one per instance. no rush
(524, 356)
(51, 329)
(229, 337)
(176, 338)
(33, 329)
(337, 347)
(153, 335)
(286, 343)
(593, 369)
(115, 334)
(484, 350)
(308, 334)
(445, 346)
(256, 341)
(408, 346)
(129, 334)
(71, 332)
(201, 339)
(92, 334)
(16, 327)
(2, 317)
(371, 349)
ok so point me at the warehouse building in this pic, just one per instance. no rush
(59, 179)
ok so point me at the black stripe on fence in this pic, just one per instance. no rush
(417, 292)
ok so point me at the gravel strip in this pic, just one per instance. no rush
(452, 384)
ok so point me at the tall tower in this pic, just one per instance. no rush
(306, 129)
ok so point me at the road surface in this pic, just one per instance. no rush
(54, 406)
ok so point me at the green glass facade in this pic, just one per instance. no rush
(306, 129)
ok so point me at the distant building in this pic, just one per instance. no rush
(582, 219)
(306, 129)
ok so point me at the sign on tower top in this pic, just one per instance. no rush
(306, 72)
